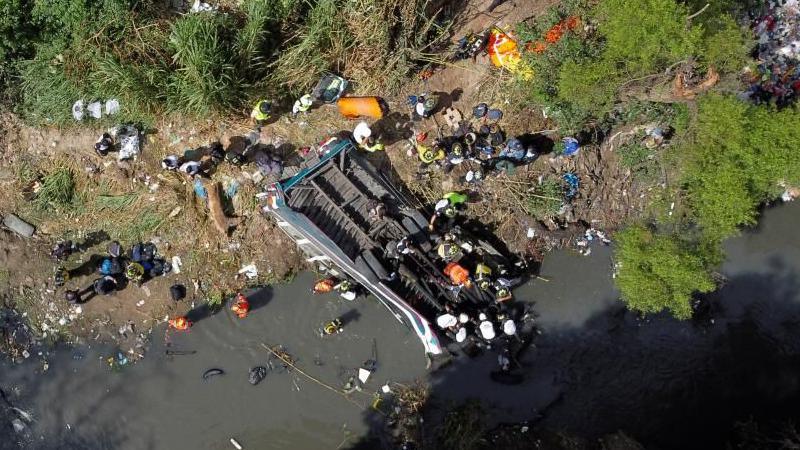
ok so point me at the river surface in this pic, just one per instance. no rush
(595, 369)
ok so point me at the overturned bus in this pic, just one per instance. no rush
(328, 209)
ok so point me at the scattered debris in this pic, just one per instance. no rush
(257, 374)
(212, 372)
(250, 271)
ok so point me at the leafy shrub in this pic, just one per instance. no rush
(728, 48)
(737, 156)
(47, 93)
(205, 75)
(642, 36)
(16, 33)
(589, 87)
(659, 272)
(633, 154)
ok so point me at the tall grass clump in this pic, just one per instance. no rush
(204, 78)
(323, 41)
(57, 190)
(375, 43)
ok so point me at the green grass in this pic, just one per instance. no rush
(546, 199)
(114, 203)
(57, 190)
(205, 77)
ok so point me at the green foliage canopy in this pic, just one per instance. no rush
(735, 160)
(659, 272)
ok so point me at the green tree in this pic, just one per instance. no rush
(589, 87)
(727, 49)
(643, 36)
(734, 161)
(659, 272)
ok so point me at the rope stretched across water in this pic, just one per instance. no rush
(315, 380)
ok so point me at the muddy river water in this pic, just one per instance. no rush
(595, 368)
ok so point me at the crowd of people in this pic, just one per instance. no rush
(115, 270)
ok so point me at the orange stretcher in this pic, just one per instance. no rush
(354, 107)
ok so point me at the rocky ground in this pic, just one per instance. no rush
(137, 201)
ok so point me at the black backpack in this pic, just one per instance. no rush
(177, 292)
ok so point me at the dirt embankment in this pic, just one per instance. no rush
(138, 201)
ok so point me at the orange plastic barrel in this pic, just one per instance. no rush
(353, 107)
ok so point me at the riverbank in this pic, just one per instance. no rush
(136, 201)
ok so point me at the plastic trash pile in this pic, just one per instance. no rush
(129, 141)
(95, 109)
(778, 34)
(588, 237)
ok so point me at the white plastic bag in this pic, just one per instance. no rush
(95, 109)
(77, 110)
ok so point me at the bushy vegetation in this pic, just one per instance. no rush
(57, 190)
(731, 162)
(197, 64)
(581, 77)
(659, 271)
(736, 157)
(546, 199)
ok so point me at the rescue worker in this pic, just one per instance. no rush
(180, 323)
(405, 246)
(73, 297)
(459, 276)
(449, 251)
(372, 145)
(323, 286)
(446, 321)
(502, 293)
(461, 334)
(448, 206)
(242, 307)
(509, 327)
(486, 328)
(134, 272)
(425, 105)
(261, 113)
(333, 327)
(346, 290)
(103, 145)
(104, 286)
(302, 105)
(361, 132)
(430, 155)
(190, 168)
(483, 274)
(217, 153)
